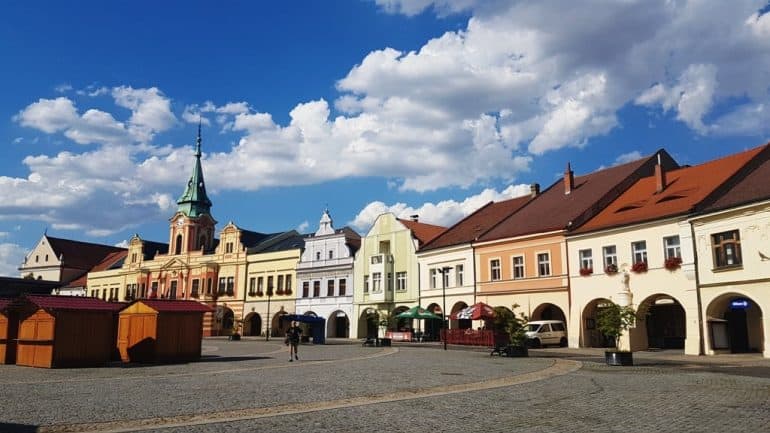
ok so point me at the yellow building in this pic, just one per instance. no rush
(271, 283)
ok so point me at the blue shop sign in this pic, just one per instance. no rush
(739, 304)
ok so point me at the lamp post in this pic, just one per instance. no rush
(444, 272)
(267, 319)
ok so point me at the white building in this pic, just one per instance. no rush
(325, 276)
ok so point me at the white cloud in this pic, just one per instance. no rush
(444, 213)
(303, 226)
(11, 257)
(49, 115)
(692, 96)
(150, 110)
(628, 157)
(63, 88)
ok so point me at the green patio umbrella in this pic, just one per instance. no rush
(417, 313)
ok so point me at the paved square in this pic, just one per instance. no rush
(250, 386)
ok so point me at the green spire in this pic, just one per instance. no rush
(194, 202)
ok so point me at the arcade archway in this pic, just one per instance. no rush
(459, 323)
(589, 334)
(735, 324)
(252, 325)
(662, 320)
(368, 323)
(548, 312)
(338, 325)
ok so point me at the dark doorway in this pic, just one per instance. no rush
(255, 325)
(341, 327)
(738, 331)
(666, 326)
(228, 320)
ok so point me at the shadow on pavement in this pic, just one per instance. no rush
(17, 428)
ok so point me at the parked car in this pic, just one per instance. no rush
(544, 332)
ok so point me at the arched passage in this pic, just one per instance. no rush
(661, 321)
(338, 325)
(367, 323)
(548, 312)
(228, 320)
(400, 323)
(277, 326)
(589, 335)
(735, 324)
(459, 323)
(432, 327)
(252, 325)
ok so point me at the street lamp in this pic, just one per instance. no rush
(267, 319)
(444, 272)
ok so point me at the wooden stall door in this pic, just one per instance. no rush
(4, 339)
(36, 335)
(136, 337)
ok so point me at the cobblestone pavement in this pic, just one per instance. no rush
(250, 386)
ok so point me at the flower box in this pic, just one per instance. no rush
(260, 293)
(586, 271)
(673, 263)
(611, 269)
(639, 267)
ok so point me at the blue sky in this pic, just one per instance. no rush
(410, 106)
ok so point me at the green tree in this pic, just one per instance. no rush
(507, 321)
(613, 320)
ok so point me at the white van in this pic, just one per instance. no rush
(544, 332)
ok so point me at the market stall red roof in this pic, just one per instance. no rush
(51, 302)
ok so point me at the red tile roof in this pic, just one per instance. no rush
(752, 186)
(173, 305)
(476, 224)
(50, 302)
(685, 188)
(554, 210)
(107, 263)
(423, 232)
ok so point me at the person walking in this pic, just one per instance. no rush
(292, 340)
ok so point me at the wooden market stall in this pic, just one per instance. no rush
(161, 330)
(9, 328)
(64, 331)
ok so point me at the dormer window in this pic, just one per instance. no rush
(318, 255)
(331, 255)
(229, 247)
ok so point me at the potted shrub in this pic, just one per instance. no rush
(235, 335)
(611, 269)
(586, 271)
(513, 327)
(673, 263)
(612, 321)
(639, 267)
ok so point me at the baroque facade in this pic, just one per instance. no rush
(325, 283)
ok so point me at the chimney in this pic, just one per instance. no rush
(660, 177)
(414, 217)
(569, 180)
(534, 189)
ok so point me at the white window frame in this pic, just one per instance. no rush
(376, 282)
(459, 271)
(586, 258)
(640, 252)
(672, 250)
(613, 258)
(495, 269)
(541, 263)
(401, 281)
(522, 266)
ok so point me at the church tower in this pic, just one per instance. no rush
(192, 226)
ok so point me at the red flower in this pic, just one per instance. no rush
(673, 263)
(586, 271)
(639, 267)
